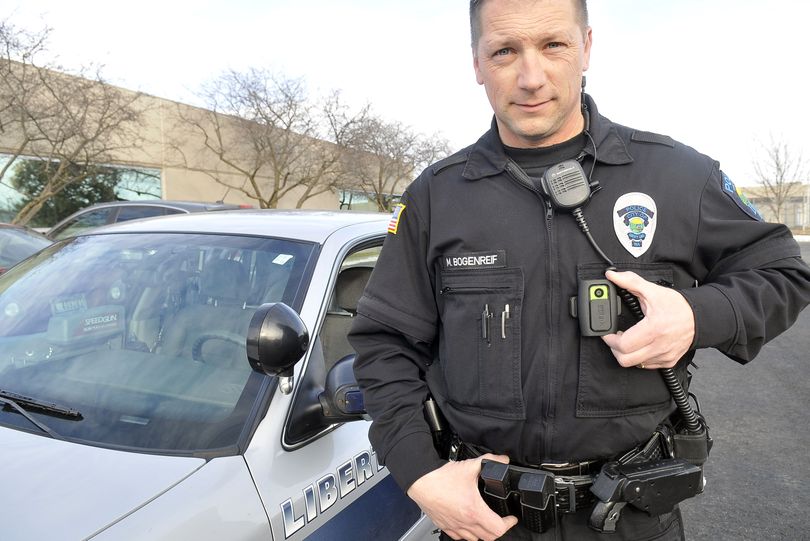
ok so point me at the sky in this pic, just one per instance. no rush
(726, 77)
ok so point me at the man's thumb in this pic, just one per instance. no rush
(497, 458)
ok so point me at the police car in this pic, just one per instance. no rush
(189, 377)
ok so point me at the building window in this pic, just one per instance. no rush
(352, 200)
(356, 200)
(23, 179)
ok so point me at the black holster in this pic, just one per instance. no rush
(654, 477)
(653, 487)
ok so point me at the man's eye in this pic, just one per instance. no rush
(503, 52)
(555, 45)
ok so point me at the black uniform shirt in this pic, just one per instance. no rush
(469, 300)
(536, 160)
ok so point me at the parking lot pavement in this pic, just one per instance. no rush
(758, 476)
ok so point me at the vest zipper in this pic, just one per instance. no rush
(518, 175)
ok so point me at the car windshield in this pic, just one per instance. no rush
(143, 334)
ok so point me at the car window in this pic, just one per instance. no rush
(144, 334)
(127, 212)
(88, 220)
(330, 343)
(352, 277)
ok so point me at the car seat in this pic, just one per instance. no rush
(348, 289)
(216, 324)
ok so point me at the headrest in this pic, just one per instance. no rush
(350, 285)
(224, 279)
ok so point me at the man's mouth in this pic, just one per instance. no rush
(533, 105)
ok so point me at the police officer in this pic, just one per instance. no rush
(470, 299)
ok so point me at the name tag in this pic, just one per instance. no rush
(475, 260)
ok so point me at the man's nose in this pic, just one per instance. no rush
(532, 71)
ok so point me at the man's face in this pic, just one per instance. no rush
(530, 58)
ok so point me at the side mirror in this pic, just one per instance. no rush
(277, 338)
(342, 399)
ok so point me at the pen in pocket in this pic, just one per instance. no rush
(485, 316)
(504, 316)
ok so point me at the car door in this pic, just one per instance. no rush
(325, 481)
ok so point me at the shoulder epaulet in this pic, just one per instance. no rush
(458, 157)
(655, 138)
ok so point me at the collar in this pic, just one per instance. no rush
(487, 156)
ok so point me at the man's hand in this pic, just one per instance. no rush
(450, 497)
(664, 335)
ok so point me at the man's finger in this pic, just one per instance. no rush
(651, 355)
(633, 339)
(628, 280)
(497, 527)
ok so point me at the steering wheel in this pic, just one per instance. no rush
(196, 349)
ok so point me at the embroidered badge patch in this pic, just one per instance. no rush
(635, 216)
(396, 215)
(739, 199)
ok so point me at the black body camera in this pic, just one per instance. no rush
(597, 307)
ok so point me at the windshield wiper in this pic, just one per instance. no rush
(28, 403)
(19, 403)
(13, 405)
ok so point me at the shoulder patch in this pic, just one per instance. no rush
(396, 216)
(739, 198)
(655, 138)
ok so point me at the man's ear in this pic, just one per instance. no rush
(477, 69)
(587, 49)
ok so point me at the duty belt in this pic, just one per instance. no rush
(521, 491)
(537, 494)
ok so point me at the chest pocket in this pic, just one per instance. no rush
(606, 389)
(479, 346)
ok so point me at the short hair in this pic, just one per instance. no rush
(475, 17)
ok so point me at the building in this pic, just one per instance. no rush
(795, 211)
(171, 155)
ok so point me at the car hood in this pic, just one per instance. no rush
(59, 490)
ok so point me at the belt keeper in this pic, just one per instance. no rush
(572, 493)
(693, 448)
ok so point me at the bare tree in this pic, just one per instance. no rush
(780, 173)
(73, 123)
(387, 155)
(269, 138)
